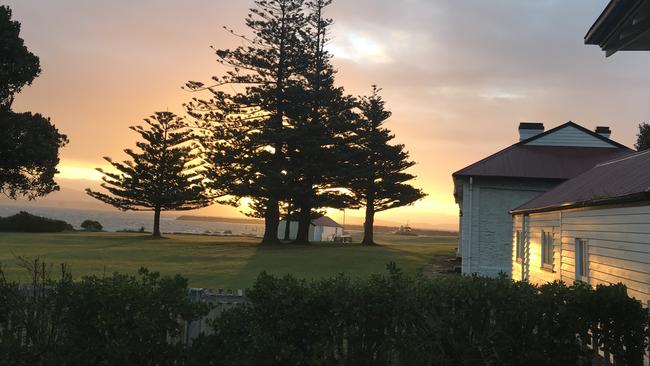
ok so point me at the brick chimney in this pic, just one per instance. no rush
(603, 131)
(529, 129)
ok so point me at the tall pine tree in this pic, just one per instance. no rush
(318, 152)
(266, 67)
(166, 174)
(381, 182)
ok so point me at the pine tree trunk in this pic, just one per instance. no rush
(304, 221)
(156, 222)
(287, 226)
(272, 214)
(368, 225)
(271, 222)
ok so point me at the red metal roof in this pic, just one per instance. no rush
(549, 162)
(546, 162)
(620, 180)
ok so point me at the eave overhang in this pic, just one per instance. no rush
(630, 198)
(624, 25)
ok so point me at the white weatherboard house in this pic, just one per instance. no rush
(594, 228)
(487, 190)
(321, 229)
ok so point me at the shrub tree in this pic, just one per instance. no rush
(28, 223)
(29, 143)
(91, 225)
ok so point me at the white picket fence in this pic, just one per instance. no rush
(220, 300)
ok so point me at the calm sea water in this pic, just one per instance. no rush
(117, 220)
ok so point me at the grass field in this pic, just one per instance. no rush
(216, 262)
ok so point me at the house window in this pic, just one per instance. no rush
(519, 245)
(547, 249)
(582, 262)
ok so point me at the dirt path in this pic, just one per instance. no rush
(440, 264)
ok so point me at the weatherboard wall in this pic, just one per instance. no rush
(531, 228)
(486, 225)
(618, 246)
(570, 136)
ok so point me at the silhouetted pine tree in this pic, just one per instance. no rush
(246, 130)
(381, 182)
(166, 174)
(318, 149)
(643, 137)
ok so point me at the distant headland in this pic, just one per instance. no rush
(220, 219)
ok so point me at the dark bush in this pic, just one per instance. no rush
(387, 319)
(113, 320)
(395, 320)
(91, 225)
(28, 223)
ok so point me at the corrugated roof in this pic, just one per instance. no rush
(325, 221)
(620, 180)
(550, 162)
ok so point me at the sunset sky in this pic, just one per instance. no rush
(459, 76)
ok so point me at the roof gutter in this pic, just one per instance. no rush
(607, 31)
(634, 197)
(596, 29)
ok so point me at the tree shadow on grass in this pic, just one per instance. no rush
(315, 261)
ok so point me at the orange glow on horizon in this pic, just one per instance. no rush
(455, 98)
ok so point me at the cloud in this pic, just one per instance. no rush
(359, 48)
(496, 93)
(458, 75)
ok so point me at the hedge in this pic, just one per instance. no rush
(26, 222)
(389, 319)
(396, 320)
(111, 320)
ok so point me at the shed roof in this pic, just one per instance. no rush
(325, 221)
(625, 179)
(548, 162)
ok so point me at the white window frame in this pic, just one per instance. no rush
(547, 250)
(582, 260)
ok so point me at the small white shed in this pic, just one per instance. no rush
(321, 229)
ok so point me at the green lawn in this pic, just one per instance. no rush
(216, 262)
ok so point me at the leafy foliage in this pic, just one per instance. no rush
(29, 143)
(18, 66)
(92, 225)
(643, 137)
(394, 319)
(29, 154)
(26, 223)
(166, 174)
(112, 320)
(381, 182)
(386, 319)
